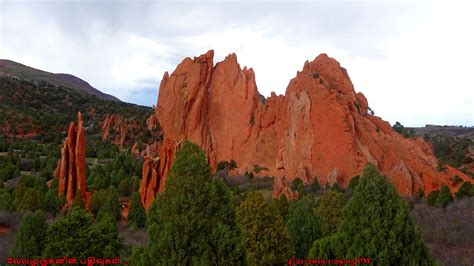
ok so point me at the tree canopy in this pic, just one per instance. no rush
(376, 223)
(193, 220)
(265, 236)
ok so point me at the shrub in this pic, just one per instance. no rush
(432, 197)
(136, 215)
(444, 197)
(30, 238)
(376, 223)
(266, 238)
(329, 211)
(302, 225)
(465, 190)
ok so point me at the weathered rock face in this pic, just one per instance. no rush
(71, 167)
(319, 129)
(155, 169)
(281, 187)
(122, 129)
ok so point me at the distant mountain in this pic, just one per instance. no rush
(10, 68)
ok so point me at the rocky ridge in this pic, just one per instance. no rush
(320, 129)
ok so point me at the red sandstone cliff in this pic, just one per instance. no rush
(70, 170)
(122, 130)
(319, 129)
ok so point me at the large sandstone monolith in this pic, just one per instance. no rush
(71, 167)
(321, 128)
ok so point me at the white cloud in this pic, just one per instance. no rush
(411, 60)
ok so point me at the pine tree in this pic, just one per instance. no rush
(465, 190)
(110, 204)
(282, 205)
(124, 188)
(444, 197)
(354, 182)
(432, 196)
(136, 214)
(329, 211)
(315, 185)
(95, 202)
(51, 203)
(77, 202)
(31, 200)
(29, 239)
(298, 185)
(376, 223)
(104, 239)
(303, 225)
(191, 221)
(265, 236)
(6, 201)
(77, 236)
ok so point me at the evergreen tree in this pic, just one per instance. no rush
(95, 202)
(282, 205)
(6, 201)
(353, 183)
(192, 221)
(376, 223)
(419, 195)
(136, 214)
(52, 203)
(110, 204)
(303, 225)
(315, 185)
(31, 200)
(29, 239)
(432, 196)
(329, 211)
(444, 197)
(297, 185)
(265, 236)
(104, 240)
(124, 188)
(77, 201)
(77, 236)
(465, 190)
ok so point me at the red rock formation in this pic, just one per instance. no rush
(123, 130)
(281, 187)
(70, 170)
(155, 170)
(319, 129)
(80, 154)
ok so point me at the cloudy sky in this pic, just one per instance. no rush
(412, 60)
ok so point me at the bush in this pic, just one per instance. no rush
(376, 223)
(315, 185)
(302, 225)
(465, 190)
(124, 188)
(444, 197)
(76, 235)
(329, 211)
(266, 238)
(136, 215)
(6, 201)
(196, 214)
(353, 183)
(297, 185)
(30, 238)
(432, 197)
